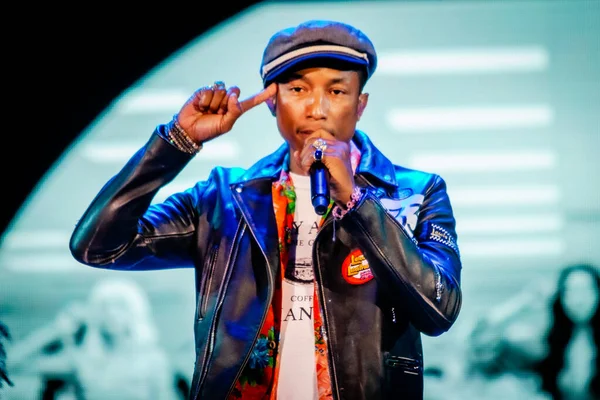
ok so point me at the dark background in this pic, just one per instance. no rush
(63, 66)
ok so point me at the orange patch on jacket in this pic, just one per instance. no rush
(355, 268)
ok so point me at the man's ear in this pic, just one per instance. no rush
(271, 103)
(363, 99)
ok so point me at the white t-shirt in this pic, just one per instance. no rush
(297, 372)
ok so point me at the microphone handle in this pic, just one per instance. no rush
(319, 185)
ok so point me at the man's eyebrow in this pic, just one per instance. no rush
(333, 81)
(339, 80)
(294, 77)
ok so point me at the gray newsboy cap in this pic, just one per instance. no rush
(316, 39)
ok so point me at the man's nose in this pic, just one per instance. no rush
(317, 105)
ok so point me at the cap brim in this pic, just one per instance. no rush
(308, 59)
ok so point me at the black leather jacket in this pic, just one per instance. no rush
(225, 228)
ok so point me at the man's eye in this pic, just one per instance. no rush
(296, 89)
(337, 91)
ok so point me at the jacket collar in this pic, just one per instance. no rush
(372, 163)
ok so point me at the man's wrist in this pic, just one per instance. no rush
(177, 136)
(339, 212)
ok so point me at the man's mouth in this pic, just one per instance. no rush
(310, 131)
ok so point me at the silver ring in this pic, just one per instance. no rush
(320, 144)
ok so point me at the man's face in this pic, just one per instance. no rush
(319, 98)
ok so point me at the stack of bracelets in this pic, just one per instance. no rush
(180, 139)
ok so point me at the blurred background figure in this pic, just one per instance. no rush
(4, 334)
(104, 348)
(545, 340)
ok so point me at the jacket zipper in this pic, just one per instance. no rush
(262, 321)
(206, 281)
(323, 306)
(213, 326)
(408, 365)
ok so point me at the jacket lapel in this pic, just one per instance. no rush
(255, 201)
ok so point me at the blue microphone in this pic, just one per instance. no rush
(319, 184)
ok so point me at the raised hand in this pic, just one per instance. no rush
(336, 158)
(212, 110)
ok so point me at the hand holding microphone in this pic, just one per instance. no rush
(327, 161)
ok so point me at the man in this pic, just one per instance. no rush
(291, 303)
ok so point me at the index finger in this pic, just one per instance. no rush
(259, 97)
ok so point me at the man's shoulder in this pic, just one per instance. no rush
(402, 170)
(380, 162)
(417, 176)
(225, 176)
(266, 167)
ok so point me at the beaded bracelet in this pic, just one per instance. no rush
(356, 195)
(181, 140)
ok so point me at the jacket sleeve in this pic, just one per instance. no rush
(422, 273)
(121, 229)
